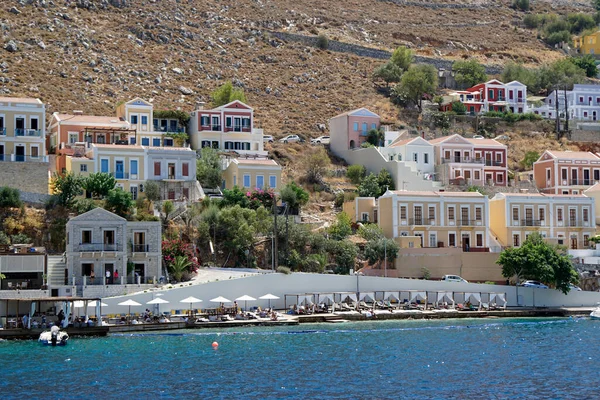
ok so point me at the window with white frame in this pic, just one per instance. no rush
(432, 239)
(83, 168)
(364, 217)
(415, 157)
(260, 181)
(246, 181)
(73, 136)
(273, 181)
(426, 158)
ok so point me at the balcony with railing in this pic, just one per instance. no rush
(581, 182)
(421, 221)
(462, 160)
(168, 129)
(87, 247)
(140, 248)
(531, 222)
(469, 222)
(576, 223)
(492, 163)
(28, 132)
(22, 158)
(120, 175)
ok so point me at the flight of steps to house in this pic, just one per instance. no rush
(56, 270)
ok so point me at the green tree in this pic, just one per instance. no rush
(517, 72)
(527, 162)
(20, 238)
(235, 196)
(538, 260)
(418, 81)
(343, 254)
(294, 196)
(561, 73)
(167, 210)
(66, 187)
(469, 72)
(385, 181)
(378, 250)
(369, 187)
(586, 63)
(119, 202)
(4, 239)
(459, 108)
(208, 168)
(10, 197)
(402, 57)
(356, 173)
(316, 165)
(226, 93)
(342, 228)
(179, 266)
(388, 72)
(84, 205)
(370, 232)
(375, 137)
(99, 184)
(152, 190)
(596, 4)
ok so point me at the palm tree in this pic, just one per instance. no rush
(179, 266)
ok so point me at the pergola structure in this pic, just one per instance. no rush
(108, 135)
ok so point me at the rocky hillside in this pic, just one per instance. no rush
(91, 54)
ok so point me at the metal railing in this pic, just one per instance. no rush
(140, 248)
(120, 175)
(168, 129)
(97, 247)
(2, 131)
(463, 160)
(576, 222)
(469, 222)
(28, 132)
(491, 163)
(22, 158)
(581, 182)
(531, 222)
(421, 221)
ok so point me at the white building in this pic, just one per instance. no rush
(417, 151)
(583, 103)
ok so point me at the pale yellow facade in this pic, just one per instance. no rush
(22, 130)
(589, 44)
(150, 131)
(250, 174)
(567, 220)
(440, 219)
(361, 209)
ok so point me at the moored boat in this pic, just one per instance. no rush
(595, 314)
(54, 337)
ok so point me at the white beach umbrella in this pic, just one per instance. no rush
(245, 298)
(269, 297)
(129, 303)
(93, 304)
(158, 301)
(220, 299)
(190, 300)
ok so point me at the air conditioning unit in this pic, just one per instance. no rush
(404, 234)
(403, 223)
(142, 188)
(564, 183)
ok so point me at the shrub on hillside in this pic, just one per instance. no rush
(10, 197)
(522, 5)
(356, 173)
(322, 42)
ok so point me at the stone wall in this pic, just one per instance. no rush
(585, 136)
(29, 177)
(369, 52)
(113, 290)
(24, 294)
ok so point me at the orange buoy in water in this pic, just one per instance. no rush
(215, 345)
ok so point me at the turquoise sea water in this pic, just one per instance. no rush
(464, 359)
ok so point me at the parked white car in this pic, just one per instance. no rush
(320, 140)
(290, 139)
(534, 284)
(268, 139)
(454, 278)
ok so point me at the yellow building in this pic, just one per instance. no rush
(361, 209)
(589, 44)
(22, 130)
(562, 219)
(250, 173)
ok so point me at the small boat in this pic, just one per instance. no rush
(54, 337)
(595, 314)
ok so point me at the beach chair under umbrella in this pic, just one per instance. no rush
(190, 300)
(245, 298)
(269, 297)
(130, 303)
(158, 301)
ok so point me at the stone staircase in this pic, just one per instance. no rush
(56, 270)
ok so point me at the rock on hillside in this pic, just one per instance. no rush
(91, 54)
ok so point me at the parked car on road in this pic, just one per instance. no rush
(534, 284)
(454, 278)
(320, 140)
(574, 288)
(268, 139)
(478, 137)
(290, 139)
(502, 137)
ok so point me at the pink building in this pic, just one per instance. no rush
(349, 130)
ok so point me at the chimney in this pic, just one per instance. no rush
(200, 105)
(77, 112)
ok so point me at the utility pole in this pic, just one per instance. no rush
(557, 113)
(566, 110)
(275, 237)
